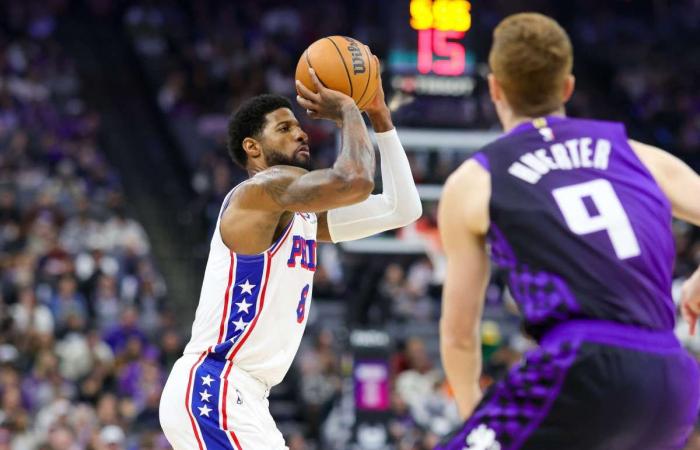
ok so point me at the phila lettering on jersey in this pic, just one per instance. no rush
(253, 308)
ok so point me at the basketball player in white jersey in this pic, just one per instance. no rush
(258, 281)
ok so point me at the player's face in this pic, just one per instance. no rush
(283, 141)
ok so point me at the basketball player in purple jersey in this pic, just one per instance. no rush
(580, 216)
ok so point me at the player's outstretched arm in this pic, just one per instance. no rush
(463, 222)
(399, 203)
(678, 181)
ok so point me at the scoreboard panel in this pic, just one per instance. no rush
(433, 59)
(432, 70)
(440, 24)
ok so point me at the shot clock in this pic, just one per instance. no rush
(432, 61)
(431, 56)
(441, 25)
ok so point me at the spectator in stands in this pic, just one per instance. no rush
(121, 233)
(417, 379)
(106, 302)
(126, 334)
(66, 303)
(171, 348)
(29, 318)
(321, 380)
(402, 425)
(79, 352)
(82, 231)
(392, 290)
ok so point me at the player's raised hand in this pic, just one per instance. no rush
(690, 301)
(378, 103)
(324, 103)
(377, 109)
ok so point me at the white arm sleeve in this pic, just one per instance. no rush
(397, 206)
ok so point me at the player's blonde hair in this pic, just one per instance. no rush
(531, 58)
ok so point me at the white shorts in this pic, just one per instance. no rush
(208, 403)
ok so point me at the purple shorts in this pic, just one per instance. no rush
(591, 385)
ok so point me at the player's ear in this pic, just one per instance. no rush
(495, 89)
(569, 85)
(252, 147)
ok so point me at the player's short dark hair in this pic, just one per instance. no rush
(249, 121)
(531, 57)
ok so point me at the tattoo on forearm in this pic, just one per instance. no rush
(343, 188)
(281, 195)
(357, 152)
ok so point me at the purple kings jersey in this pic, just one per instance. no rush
(580, 224)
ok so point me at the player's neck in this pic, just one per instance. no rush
(254, 169)
(511, 120)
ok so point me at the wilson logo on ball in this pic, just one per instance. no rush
(358, 62)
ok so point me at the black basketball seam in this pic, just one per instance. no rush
(344, 65)
(308, 63)
(369, 77)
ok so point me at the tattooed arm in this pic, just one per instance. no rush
(253, 216)
(287, 188)
(349, 180)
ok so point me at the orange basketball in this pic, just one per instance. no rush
(343, 64)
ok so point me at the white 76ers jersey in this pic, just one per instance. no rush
(253, 308)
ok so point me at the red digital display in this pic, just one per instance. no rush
(440, 25)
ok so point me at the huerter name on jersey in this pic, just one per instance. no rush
(573, 154)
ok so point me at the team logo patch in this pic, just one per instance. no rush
(547, 134)
(482, 438)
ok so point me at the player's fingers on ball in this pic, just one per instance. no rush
(305, 103)
(316, 81)
(306, 92)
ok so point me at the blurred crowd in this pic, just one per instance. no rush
(85, 339)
